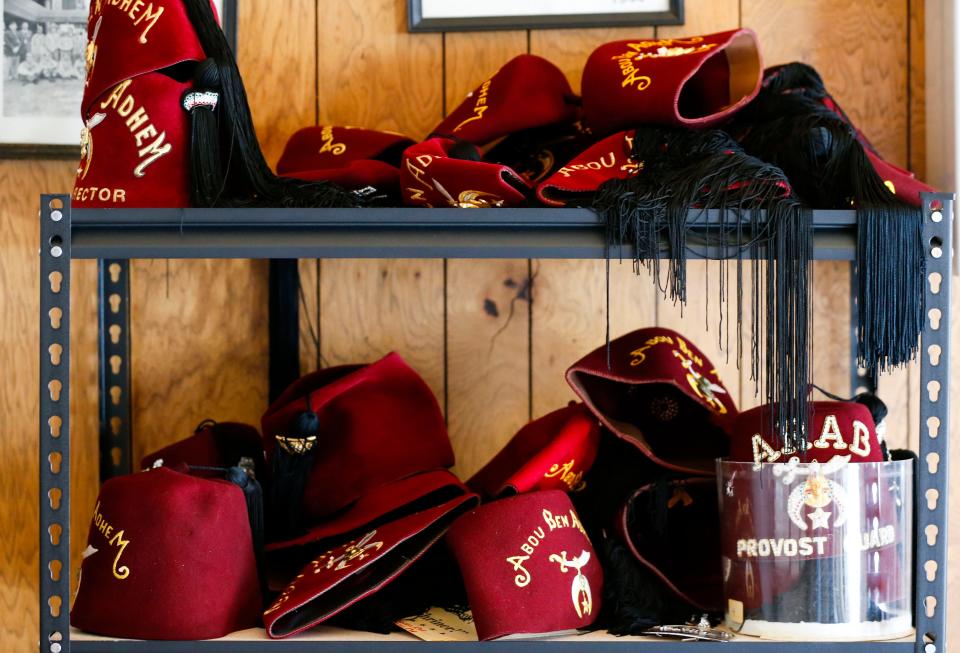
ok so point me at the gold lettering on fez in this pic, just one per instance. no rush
(136, 117)
(529, 546)
(326, 134)
(655, 49)
(573, 480)
(115, 539)
(86, 143)
(580, 591)
(139, 13)
(479, 105)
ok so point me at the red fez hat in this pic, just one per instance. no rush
(577, 181)
(550, 453)
(169, 556)
(528, 566)
(135, 146)
(350, 157)
(127, 39)
(834, 531)
(662, 394)
(836, 428)
(671, 529)
(697, 81)
(527, 92)
(441, 173)
(213, 445)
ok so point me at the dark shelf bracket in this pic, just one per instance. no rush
(930, 553)
(114, 333)
(54, 424)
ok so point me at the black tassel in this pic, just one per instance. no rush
(242, 176)
(292, 464)
(253, 495)
(685, 174)
(796, 125)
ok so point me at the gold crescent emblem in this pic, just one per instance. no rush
(86, 143)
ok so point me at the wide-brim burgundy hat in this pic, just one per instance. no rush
(660, 393)
(169, 556)
(528, 566)
(550, 453)
(695, 81)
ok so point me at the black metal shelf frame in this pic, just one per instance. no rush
(115, 236)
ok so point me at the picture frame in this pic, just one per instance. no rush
(472, 15)
(42, 71)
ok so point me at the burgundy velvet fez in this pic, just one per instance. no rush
(550, 453)
(378, 423)
(576, 182)
(696, 81)
(528, 566)
(213, 444)
(661, 394)
(169, 557)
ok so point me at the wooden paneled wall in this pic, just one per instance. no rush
(492, 338)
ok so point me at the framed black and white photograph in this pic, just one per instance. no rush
(462, 15)
(43, 72)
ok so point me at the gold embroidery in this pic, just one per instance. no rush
(138, 11)
(664, 48)
(573, 480)
(102, 526)
(326, 133)
(581, 586)
(890, 186)
(86, 143)
(479, 106)
(639, 355)
(138, 122)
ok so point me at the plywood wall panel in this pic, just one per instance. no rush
(487, 301)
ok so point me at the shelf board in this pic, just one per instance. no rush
(347, 641)
(385, 233)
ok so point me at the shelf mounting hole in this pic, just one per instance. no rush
(54, 494)
(934, 351)
(115, 424)
(54, 532)
(56, 315)
(930, 605)
(932, 496)
(54, 602)
(933, 462)
(55, 459)
(933, 426)
(55, 203)
(55, 424)
(56, 282)
(115, 363)
(115, 394)
(55, 568)
(934, 314)
(116, 455)
(115, 332)
(935, 279)
(56, 353)
(933, 391)
(55, 387)
(114, 271)
(930, 566)
(931, 531)
(115, 302)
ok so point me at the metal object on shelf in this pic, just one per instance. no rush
(114, 372)
(701, 631)
(440, 233)
(55, 254)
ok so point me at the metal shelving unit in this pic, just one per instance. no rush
(117, 235)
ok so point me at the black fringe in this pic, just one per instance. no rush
(825, 159)
(684, 175)
(227, 165)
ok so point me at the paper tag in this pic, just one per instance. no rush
(735, 611)
(441, 625)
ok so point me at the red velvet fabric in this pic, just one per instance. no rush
(528, 91)
(836, 428)
(127, 38)
(214, 444)
(137, 150)
(696, 81)
(528, 566)
(641, 363)
(430, 177)
(550, 453)
(575, 182)
(902, 183)
(674, 535)
(410, 517)
(378, 423)
(169, 556)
